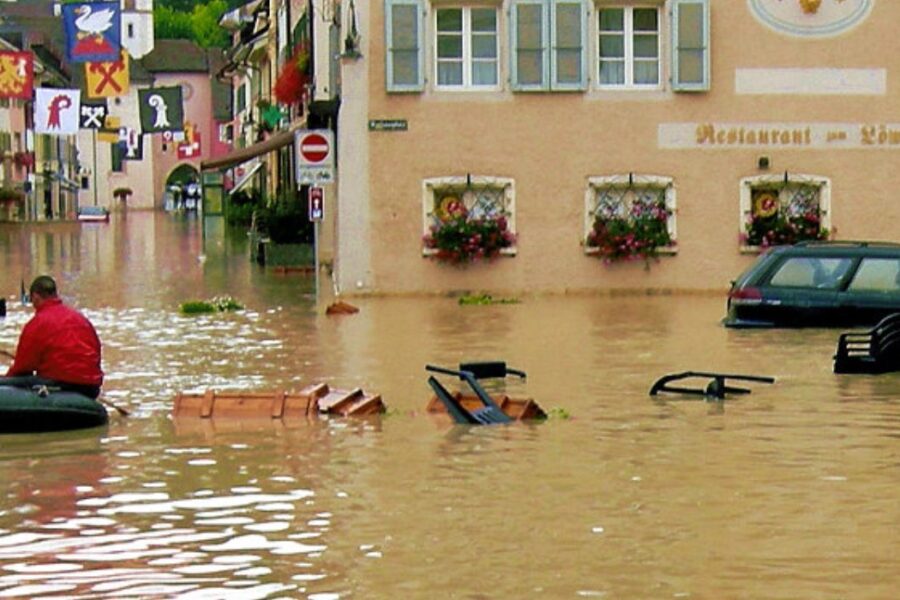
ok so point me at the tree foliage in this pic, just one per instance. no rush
(197, 21)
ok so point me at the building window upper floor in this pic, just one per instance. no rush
(546, 45)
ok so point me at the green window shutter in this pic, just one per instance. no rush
(404, 35)
(529, 45)
(568, 35)
(690, 46)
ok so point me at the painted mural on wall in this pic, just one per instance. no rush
(813, 18)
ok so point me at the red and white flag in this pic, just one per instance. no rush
(56, 111)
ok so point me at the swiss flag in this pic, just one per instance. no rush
(189, 149)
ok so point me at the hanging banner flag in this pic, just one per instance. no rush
(16, 74)
(93, 114)
(131, 143)
(161, 109)
(107, 79)
(56, 111)
(188, 150)
(110, 130)
(93, 31)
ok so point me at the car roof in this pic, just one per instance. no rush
(841, 248)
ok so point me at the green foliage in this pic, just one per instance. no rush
(240, 208)
(485, 299)
(782, 229)
(638, 235)
(460, 239)
(217, 304)
(169, 24)
(287, 221)
(558, 412)
(195, 21)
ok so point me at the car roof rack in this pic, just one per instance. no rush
(716, 389)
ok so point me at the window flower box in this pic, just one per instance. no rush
(291, 85)
(468, 219)
(784, 213)
(24, 160)
(629, 217)
(11, 195)
(457, 237)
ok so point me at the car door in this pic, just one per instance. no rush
(803, 290)
(874, 291)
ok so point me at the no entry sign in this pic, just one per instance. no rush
(314, 149)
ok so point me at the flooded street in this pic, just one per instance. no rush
(788, 492)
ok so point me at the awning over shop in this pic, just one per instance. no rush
(241, 155)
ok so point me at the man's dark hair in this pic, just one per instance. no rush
(43, 285)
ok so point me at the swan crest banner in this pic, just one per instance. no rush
(93, 31)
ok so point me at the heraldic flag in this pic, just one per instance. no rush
(93, 31)
(107, 79)
(16, 74)
(161, 109)
(56, 111)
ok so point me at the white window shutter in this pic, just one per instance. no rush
(690, 46)
(404, 48)
(529, 44)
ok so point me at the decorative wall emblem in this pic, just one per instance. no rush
(813, 18)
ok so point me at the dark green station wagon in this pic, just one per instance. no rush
(818, 284)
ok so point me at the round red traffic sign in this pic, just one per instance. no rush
(314, 147)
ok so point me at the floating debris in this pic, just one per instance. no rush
(217, 304)
(485, 299)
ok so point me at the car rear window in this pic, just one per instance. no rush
(812, 272)
(876, 275)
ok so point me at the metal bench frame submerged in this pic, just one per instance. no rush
(716, 389)
(490, 413)
(873, 352)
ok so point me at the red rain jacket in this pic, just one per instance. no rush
(59, 343)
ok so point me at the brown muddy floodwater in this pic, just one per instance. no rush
(789, 492)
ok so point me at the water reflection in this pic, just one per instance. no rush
(786, 492)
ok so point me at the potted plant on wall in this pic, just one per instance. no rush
(460, 237)
(637, 235)
(290, 87)
(24, 160)
(10, 195)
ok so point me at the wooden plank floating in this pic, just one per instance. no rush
(517, 409)
(312, 400)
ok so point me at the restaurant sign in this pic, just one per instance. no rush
(811, 18)
(721, 136)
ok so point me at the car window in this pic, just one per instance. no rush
(808, 271)
(877, 275)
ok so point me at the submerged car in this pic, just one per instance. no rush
(818, 284)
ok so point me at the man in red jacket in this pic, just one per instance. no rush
(58, 347)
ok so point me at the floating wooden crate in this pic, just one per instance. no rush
(311, 400)
(517, 409)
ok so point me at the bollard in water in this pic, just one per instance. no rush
(2, 307)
